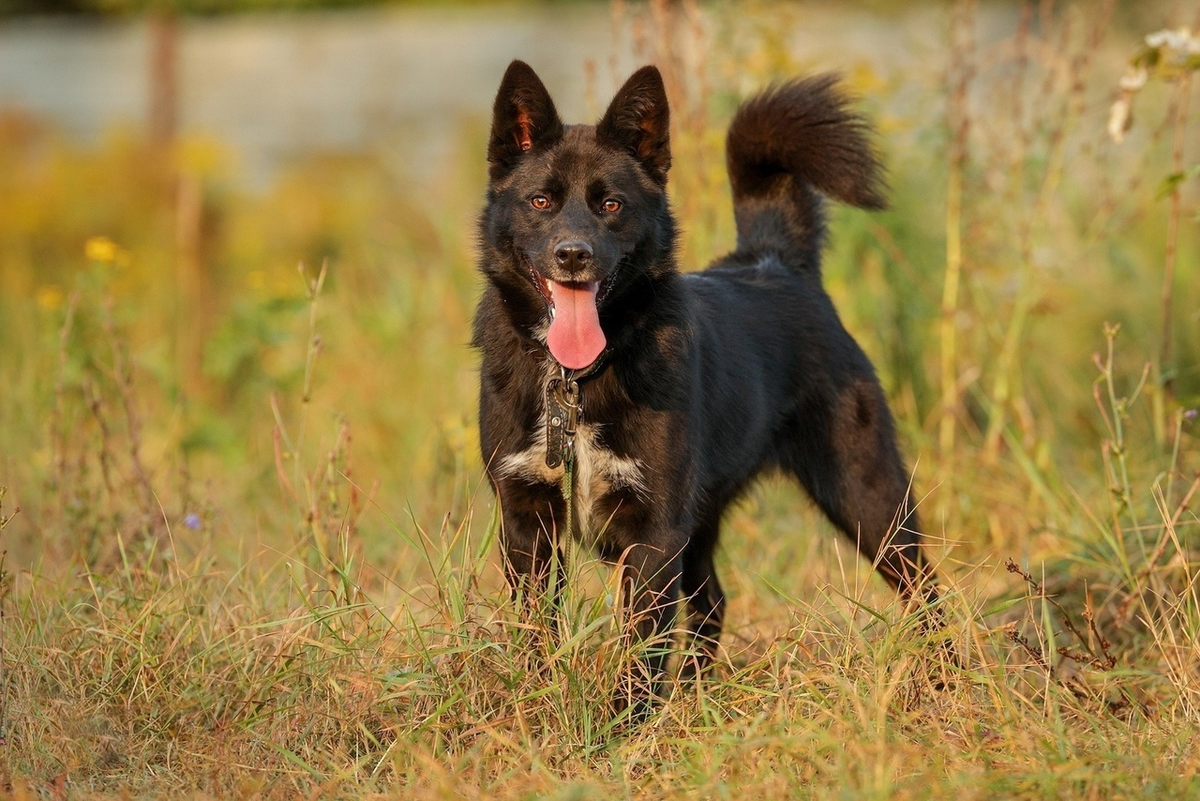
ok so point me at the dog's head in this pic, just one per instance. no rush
(575, 214)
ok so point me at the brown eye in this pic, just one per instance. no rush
(611, 206)
(540, 202)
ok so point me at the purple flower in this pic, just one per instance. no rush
(192, 520)
(1191, 414)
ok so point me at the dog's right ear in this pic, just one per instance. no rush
(523, 119)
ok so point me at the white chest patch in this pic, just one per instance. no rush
(598, 471)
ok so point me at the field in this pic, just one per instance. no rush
(249, 549)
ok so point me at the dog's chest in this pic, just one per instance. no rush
(597, 473)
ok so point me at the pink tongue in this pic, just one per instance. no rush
(575, 338)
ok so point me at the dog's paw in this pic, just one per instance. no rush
(694, 667)
(633, 703)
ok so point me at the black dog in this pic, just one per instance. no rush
(626, 404)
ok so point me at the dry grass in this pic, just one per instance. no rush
(255, 555)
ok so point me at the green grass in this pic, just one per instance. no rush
(255, 552)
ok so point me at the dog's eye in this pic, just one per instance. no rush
(540, 202)
(611, 206)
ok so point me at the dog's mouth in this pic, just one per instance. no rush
(574, 337)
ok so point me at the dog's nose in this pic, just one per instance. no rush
(573, 255)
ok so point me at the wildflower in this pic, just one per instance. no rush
(1134, 78)
(1191, 414)
(1167, 55)
(100, 248)
(1120, 117)
(49, 297)
(192, 521)
(1179, 41)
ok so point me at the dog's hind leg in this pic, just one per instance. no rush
(705, 598)
(842, 448)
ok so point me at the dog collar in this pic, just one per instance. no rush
(579, 375)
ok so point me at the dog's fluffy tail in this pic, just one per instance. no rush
(786, 148)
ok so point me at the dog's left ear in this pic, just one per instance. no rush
(639, 121)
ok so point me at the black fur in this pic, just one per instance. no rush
(708, 379)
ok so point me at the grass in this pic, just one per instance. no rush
(255, 554)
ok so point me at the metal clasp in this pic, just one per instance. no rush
(563, 410)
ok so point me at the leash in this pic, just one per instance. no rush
(566, 486)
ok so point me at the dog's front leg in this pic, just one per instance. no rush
(533, 560)
(649, 581)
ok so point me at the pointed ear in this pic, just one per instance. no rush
(639, 122)
(523, 119)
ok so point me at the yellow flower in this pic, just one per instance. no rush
(49, 297)
(200, 156)
(100, 248)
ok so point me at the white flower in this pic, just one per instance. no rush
(1133, 79)
(1120, 117)
(1174, 46)
(1178, 39)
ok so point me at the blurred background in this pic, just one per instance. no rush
(237, 252)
